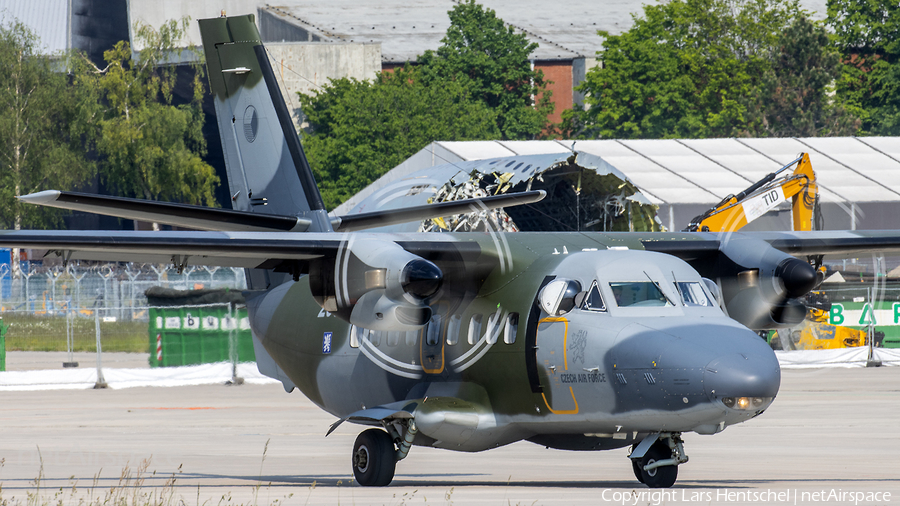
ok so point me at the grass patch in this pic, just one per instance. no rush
(131, 489)
(29, 332)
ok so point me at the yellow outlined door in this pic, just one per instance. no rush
(553, 360)
(431, 347)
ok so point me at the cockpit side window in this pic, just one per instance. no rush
(593, 301)
(692, 294)
(639, 294)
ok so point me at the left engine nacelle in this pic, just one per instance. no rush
(376, 285)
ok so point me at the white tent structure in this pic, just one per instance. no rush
(859, 177)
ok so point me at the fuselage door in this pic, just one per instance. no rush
(432, 341)
(553, 362)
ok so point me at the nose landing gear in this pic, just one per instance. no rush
(655, 460)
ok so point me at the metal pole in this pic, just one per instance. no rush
(70, 339)
(4, 269)
(871, 361)
(232, 347)
(101, 382)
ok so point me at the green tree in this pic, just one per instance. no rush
(150, 147)
(42, 130)
(795, 97)
(358, 130)
(490, 59)
(867, 33)
(684, 69)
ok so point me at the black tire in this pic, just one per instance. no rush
(638, 473)
(661, 477)
(374, 459)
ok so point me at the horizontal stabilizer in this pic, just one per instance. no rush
(227, 220)
(363, 221)
(168, 213)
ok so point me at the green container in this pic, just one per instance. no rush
(198, 335)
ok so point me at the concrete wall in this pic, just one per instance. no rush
(580, 68)
(306, 66)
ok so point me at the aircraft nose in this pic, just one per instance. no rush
(743, 375)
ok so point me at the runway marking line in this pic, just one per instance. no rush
(185, 408)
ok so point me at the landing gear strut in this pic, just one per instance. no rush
(656, 459)
(375, 457)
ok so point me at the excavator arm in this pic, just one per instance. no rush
(736, 211)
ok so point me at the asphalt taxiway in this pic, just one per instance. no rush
(831, 435)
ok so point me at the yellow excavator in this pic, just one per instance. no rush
(736, 211)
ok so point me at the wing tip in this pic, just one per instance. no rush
(42, 197)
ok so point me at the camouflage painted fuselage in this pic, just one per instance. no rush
(494, 368)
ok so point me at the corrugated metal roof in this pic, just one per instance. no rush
(696, 171)
(47, 18)
(406, 28)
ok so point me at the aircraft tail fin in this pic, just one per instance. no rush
(267, 169)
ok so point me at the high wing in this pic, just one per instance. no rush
(266, 249)
(840, 244)
(226, 249)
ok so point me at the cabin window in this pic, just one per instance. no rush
(433, 331)
(593, 301)
(692, 294)
(475, 329)
(511, 328)
(412, 337)
(393, 338)
(357, 334)
(453, 329)
(493, 328)
(639, 294)
(375, 337)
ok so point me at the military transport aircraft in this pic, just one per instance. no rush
(469, 341)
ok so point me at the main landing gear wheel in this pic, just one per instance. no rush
(636, 467)
(660, 477)
(638, 472)
(374, 459)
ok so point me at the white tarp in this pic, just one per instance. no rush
(842, 357)
(61, 379)
(207, 374)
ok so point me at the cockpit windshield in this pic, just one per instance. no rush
(639, 294)
(593, 301)
(692, 294)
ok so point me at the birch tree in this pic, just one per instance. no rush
(43, 130)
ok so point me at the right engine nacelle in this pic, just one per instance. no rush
(761, 286)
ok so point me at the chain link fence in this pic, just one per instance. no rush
(117, 287)
(143, 347)
(87, 317)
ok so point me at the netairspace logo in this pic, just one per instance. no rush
(724, 496)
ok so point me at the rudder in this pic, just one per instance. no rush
(267, 169)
